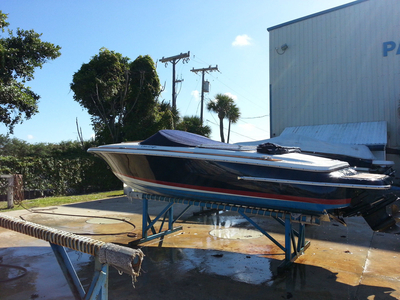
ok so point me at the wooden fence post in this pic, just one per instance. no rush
(10, 192)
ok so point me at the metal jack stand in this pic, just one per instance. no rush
(293, 248)
(298, 247)
(148, 224)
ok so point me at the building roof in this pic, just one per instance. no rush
(315, 15)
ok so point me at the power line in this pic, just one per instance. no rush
(259, 117)
(233, 131)
(199, 60)
(237, 92)
(192, 97)
(254, 126)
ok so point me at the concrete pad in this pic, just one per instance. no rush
(342, 262)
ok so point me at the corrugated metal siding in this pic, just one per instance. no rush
(334, 70)
(316, 14)
(365, 133)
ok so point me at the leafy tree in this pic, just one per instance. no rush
(233, 115)
(20, 55)
(147, 114)
(121, 96)
(19, 148)
(101, 86)
(221, 106)
(193, 124)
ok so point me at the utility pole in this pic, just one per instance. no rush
(175, 59)
(203, 70)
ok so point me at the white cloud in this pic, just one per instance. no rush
(234, 97)
(196, 95)
(242, 40)
(30, 137)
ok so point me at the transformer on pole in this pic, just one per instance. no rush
(205, 86)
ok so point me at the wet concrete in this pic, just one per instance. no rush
(232, 263)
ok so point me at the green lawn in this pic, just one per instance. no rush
(51, 201)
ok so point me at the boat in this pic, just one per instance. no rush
(179, 164)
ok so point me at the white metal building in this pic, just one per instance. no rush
(338, 66)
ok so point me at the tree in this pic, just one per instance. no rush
(221, 105)
(233, 115)
(101, 86)
(20, 55)
(148, 115)
(121, 96)
(193, 124)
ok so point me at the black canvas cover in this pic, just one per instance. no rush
(177, 138)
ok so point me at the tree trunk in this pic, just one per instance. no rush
(221, 130)
(229, 131)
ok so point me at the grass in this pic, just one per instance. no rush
(61, 200)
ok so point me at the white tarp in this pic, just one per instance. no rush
(308, 144)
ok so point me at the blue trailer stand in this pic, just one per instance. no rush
(295, 243)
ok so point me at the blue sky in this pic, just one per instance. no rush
(230, 34)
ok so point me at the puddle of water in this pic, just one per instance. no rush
(43, 278)
(239, 267)
(236, 233)
(11, 272)
(219, 219)
(103, 221)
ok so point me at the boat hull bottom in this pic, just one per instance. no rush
(311, 208)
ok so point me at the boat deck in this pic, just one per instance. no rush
(294, 161)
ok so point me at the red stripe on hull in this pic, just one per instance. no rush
(344, 201)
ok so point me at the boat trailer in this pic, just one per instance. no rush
(295, 243)
(124, 259)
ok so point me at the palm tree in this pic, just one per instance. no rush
(220, 105)
(233, 115)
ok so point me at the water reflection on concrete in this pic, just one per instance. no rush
(221, 219)
(43, 279)
(235, 233)
(238, 267)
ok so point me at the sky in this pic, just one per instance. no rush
(230, 34)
